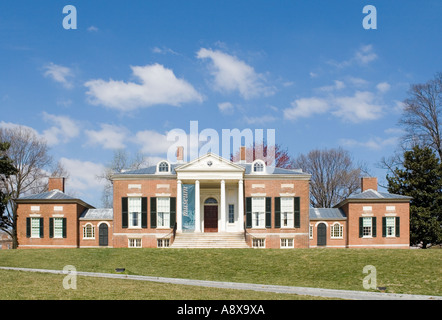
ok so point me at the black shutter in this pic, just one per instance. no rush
(172, 212)
(124, 213)
(384, 227)
(398, 232)
(28, 227)
(373, 225)
(153, 212)
(268, 212)
(277, 212)
(361, 233)
(144, 212)
(41, 228)
(51, 227)
(248, 212)
(64, 227)
(297, 206)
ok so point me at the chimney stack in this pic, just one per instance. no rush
(369, 183)
(180, 154)
(242, 154)
(56, 183)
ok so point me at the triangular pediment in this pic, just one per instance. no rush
(209, 162)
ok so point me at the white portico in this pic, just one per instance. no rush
(216, 202)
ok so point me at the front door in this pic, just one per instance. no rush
(322, 234)
(103, 235)
(210, 218)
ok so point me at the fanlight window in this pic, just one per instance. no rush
(163, 167)
(258, 166)
(210, 201)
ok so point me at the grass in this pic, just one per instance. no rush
(401, 271)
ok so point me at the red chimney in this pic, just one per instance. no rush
(56, 184)
(369, 183)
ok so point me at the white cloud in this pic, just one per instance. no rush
(374, 143)
(59, 74)
(259, 120)
(110, 136)
(82, 174)
(92, 29)
(383, 87)
(63, 130)
(305, 107)
(225, 107)
(357, 108)
(363, 56)
(152, 142)
(338, 85)
(231, 74)
(159, 85)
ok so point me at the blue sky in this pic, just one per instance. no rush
(133, 71)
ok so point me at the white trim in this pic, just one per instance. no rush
(48, 245)
(368, 215)
(258, 194)
(134, 195)
(164, 195)
(390, 214)
(287, 194)
(321, 221)
(58, 208)
(379, 245)
(163, 186)
(135, 235)
(35, 208)
(35, 215)
(134, 186)
(58, 215)
(287, 185)
(158, 167)
(263, 172)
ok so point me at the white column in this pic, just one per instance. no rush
(197, 207)
(179, 206)
(223, 207)
(240, 205)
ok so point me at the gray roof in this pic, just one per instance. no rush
(371, 194)
(49, 195)
(97, 214)
(327, 214)
(247, 166)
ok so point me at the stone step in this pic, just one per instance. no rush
(210, 240)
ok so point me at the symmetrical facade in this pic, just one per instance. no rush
(213, 198)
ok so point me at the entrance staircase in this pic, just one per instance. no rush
(210, 240)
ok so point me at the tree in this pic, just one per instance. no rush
(6, 170)
(282, 159)
(120, 161)
(421, 179)
(422, 116)
(29, 155)
(334, 175)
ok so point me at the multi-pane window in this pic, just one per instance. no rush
(287, 212)
(58, 227)
(163, 167)
(390, 226)
(258, 212)
(163, 243)
(231, 213)
(286, 243)
(258, 167)
(258, 243)
(163, 212)
(134, 212)
(134, 243)
(310, 231)
(336, 231)
(88, 232)
(35, 227)
(367, 227)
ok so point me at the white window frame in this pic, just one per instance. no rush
(134, 210)
(287, 212)
(287, 243)
(231, 216)
(163, 217)
(390, 226)
(163, 243)
(367, 227)
(35, 227)
(86, 233)
(310, 231)
(258, 243)
(258, 212)
(159, 167)
(134, 243)
(58, 228)
(336, 231)
(258, 164)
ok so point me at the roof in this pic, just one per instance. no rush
(373, 194)
(327, 214)
(148, 170)
(55, 196)
(276, 170)
(97, 214)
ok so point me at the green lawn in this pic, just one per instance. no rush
(401, 271)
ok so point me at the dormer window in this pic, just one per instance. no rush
(163, 167)
(258, 166)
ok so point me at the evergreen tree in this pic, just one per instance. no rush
(421, 179)
(6, 169)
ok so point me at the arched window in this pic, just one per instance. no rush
(258, 166)
(336, 231)
(88, 231)
(210, 201)
(163, 167)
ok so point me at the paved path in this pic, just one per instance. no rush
(329, 293)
